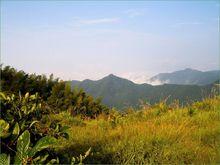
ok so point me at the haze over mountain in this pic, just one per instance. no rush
(119, 92)
(186, 77)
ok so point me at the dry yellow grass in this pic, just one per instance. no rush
(159, 134)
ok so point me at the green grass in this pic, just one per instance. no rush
(157, 134)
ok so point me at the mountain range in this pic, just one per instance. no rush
(186, 77)
(121, 93)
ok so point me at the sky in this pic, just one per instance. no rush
(78, 40)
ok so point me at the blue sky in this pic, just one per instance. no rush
(132, 39)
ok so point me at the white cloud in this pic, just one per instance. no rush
(79, 21)
(157, 82)
(133, 13)
(180, 24)
(136, 77)
(141, 77)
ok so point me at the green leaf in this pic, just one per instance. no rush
(40, 159)
(23, 142)
(8, 98)
(15, 132)
(4, 127)
(22, 147)
(53, 161)
(73, 161)
(26, 96)
(2, 95)
(33, 123)
(43, 143)
(32, 97)
(24, 109)
(22, 125)
(12, 97)
(44, 158)
(57, 127)
(4, 159)
(33, 108)
(87, 152)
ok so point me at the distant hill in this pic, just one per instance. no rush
(186, 77)
(120, 93)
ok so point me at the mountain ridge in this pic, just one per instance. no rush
(149, 81)
(121, 93)
(187, 76)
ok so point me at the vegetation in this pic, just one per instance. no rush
(18, 132)
(158, 134)
(26, 130)
(55, 95)
(65, 126)
(122, 93)
(13, 81)
(77, 102)
(27, 133)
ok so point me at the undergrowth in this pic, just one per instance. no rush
(154, 135)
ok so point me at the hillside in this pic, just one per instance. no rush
(119, 92)
(186, 77)
(158, 134)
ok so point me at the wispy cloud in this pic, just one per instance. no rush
(139, 77)
(180, 24)
(99, 21)
(134, 13)
(79, 21)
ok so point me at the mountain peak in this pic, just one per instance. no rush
(114, 78)
(111, 75)
(190, 69)
(186, 76)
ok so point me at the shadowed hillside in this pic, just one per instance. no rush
(121, 93)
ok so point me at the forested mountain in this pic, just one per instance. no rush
(114, 91)
(186, 77)
(119, 92)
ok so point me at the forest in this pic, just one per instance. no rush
(44, 121)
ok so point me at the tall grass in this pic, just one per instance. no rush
(157, 134)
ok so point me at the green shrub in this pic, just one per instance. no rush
(21, 141)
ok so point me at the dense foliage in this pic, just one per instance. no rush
(27, 101)
(56, 95)
(77, 102)
(18, 132)
(13, 81)
(27, 133)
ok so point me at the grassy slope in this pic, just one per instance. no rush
(158, 134)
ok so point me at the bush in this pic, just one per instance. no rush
(21, 141)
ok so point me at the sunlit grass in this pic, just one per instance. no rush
(157, 134)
